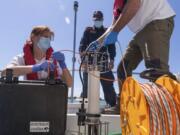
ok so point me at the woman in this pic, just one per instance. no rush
(38, 58)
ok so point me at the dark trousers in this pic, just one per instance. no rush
(107, 86)
(152, 45)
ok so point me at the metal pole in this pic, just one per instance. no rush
(74, 48)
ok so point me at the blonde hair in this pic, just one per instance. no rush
(39, 30)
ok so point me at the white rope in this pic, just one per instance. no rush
(162, 110)
(161, 103)
(175, 109)
(153, 110)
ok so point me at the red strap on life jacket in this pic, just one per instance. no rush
(118, 7)
(29, 59)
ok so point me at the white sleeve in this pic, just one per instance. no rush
(17, 61)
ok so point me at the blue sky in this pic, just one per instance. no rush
(19, 16)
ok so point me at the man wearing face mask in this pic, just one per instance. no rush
(91, 34)
(152, 22)
(38, 58)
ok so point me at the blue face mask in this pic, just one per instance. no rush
(98, 24)
(44, 43)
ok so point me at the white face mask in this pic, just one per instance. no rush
(98, 24)
(44, 43)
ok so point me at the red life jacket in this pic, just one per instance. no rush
(29, 59)
(118, 7)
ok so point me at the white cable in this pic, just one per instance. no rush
(158, 98)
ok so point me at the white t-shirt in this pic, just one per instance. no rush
(149, 11)
(19, 61)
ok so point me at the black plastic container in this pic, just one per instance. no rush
(33, 109)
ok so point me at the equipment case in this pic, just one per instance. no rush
(33, 109)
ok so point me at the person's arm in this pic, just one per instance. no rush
(128, 13)
(101, 38)
(18, 66)
(84, 42)
(66, 77)
(26, 69)
(19, 70)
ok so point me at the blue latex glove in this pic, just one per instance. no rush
(43, 66)
(111, 38)
(60, 58)
(93, 46)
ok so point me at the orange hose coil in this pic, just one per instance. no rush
(148, 109)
